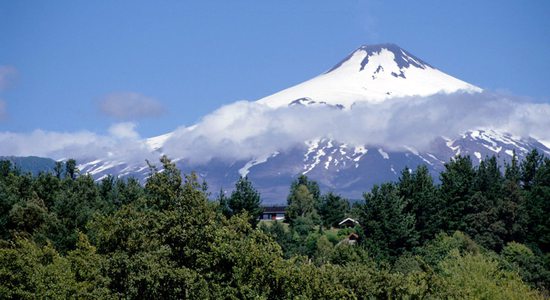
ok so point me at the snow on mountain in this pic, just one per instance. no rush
(156, 143)
(372, 73)
(490, 142)
(246, 168)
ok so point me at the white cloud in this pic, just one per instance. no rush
(130, 106)
(7, 76)
(248, 129)
(125, 130)
(81, 145)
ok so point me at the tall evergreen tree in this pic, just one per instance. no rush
(455, 191)
(246, 198)
(389, 229)
(512, 170)
(529, 167)
(71, 171)
(58, 169)
(488, 178)
(108, 190)
(538, 203)
(483, 207)
(419, 193)
(513, 212)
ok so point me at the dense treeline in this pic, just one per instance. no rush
(480, 233)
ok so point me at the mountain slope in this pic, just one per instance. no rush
(354, 170)
(347, 170)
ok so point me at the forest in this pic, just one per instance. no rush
(479, 232)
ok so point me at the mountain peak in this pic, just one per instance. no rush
(371, 73)
(401, 57)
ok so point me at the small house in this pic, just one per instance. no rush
(273, 213)
(348, 223)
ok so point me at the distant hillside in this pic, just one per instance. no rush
(32, 164)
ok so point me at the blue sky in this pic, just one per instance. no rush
(61, 61)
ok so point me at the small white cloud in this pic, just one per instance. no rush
(124, 130)
(7, 77)
(130, 106)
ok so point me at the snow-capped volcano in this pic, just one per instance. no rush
(372, 73)
(347, 164)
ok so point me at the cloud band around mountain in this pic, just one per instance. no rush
(245, 130)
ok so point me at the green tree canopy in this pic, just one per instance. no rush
(300, 204)
(389, 229)
(420, 195)
(245, 198)
(333, 209)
